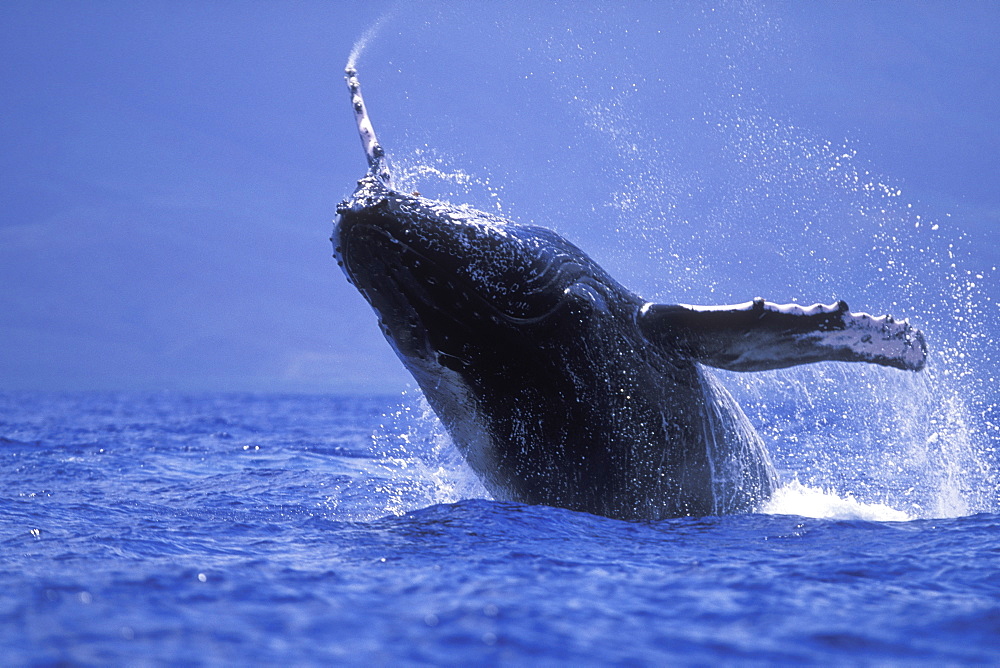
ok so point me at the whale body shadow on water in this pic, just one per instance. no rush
(558, 385)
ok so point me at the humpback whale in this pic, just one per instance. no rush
(557, 384)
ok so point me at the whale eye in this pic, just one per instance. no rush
(585, 296)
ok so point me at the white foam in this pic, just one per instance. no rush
(797, 499)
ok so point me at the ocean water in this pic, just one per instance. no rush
(322, 530)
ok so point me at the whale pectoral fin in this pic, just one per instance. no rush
(759, 335)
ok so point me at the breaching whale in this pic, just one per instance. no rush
(560, 386)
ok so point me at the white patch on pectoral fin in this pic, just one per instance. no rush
(880, 340)
(759, 335)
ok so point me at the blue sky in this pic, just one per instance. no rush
(171, 170)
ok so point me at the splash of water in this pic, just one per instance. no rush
(366, 37)
(416, 463)
(427, 169)
(798, 499)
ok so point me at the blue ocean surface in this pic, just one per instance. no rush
(174, 234)
(323, 530)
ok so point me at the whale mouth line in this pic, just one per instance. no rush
(413, 288)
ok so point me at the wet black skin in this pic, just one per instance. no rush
(530, 354)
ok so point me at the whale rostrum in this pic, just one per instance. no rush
(560, 386)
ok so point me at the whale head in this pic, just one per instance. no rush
(443, 278)
(450, 281)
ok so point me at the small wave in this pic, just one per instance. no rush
(798, 499)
